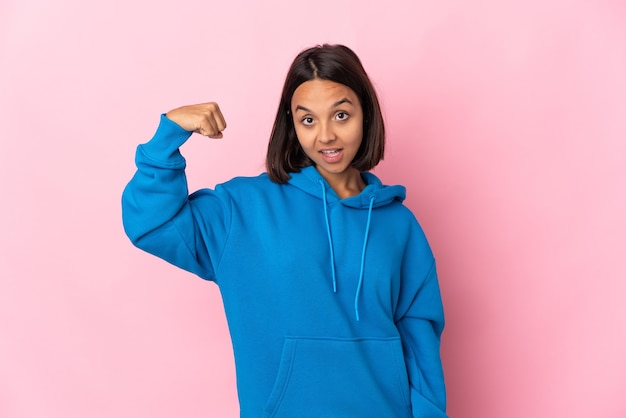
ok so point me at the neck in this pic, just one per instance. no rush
(347, 184)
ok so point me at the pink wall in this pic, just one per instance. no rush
(507, 123)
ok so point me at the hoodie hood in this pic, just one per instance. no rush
(308, 180)
(374, 195)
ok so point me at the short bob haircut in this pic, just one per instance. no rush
(341, 65)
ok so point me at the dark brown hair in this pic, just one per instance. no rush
(335, 63)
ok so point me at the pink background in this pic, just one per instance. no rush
(507, 123)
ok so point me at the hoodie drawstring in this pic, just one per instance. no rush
(330, 239)
(332, 252)
(360, 284)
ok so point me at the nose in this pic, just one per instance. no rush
(326, 133)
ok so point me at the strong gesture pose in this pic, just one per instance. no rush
(329, 285)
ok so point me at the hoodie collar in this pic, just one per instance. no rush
(308, 180)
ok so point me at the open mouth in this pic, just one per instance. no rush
(333, 155)
(330, 152)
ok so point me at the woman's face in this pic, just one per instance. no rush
(328, 120)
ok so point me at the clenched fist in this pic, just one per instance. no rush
(205, 119)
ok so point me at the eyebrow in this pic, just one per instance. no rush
(338, 103)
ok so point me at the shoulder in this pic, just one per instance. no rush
(248, 186)
(261, 180)
(396, 216)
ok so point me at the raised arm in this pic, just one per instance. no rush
(158, 214)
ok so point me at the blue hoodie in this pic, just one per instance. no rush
(333, 305)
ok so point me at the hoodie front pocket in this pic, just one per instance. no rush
(323, 377)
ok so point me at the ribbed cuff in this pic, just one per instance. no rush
(164, 145)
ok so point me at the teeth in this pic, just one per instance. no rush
(330, 152)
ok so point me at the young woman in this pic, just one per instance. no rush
(328, 282)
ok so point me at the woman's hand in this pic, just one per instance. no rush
(205, 119)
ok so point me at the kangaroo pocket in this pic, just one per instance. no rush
(323, 377)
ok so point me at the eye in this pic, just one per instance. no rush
(342, 116)
(307, 121)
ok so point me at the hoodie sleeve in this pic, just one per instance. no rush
(420, 323)
(161, 218)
